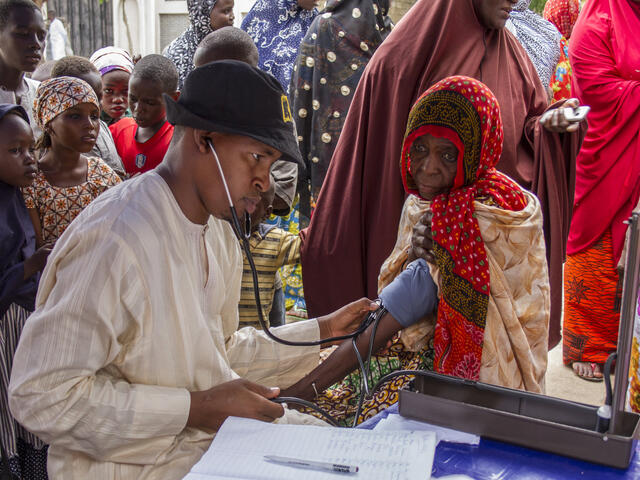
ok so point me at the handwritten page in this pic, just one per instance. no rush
(395, 422)
(238, 451)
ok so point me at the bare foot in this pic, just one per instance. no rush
(588, 370)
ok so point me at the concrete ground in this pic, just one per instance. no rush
(561, 382)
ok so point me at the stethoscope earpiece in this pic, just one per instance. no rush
(235, 222)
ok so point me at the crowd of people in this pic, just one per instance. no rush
(433, 165)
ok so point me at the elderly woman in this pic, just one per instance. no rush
(205, 16)
(347, 241)
(605, 55)
(485, 260)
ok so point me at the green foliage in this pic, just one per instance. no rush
(537, 5)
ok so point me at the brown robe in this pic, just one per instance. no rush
(354, 226)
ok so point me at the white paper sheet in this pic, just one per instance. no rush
(395, 423)
(239, 447)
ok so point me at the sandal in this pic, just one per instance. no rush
(593, 367)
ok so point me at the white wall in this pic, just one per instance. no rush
(154, 23)
(240, 9)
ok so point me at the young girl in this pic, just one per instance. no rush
(20, 263)
(68, 112)
(115, 66)
(481, 237)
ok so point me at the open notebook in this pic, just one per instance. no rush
(238, 451)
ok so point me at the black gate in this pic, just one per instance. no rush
(89, 23)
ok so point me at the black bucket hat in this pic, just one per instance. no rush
(10, 107)
(229, 96)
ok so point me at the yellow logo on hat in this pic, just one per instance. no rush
(286, 110)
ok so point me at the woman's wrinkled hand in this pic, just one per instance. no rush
(422, 240)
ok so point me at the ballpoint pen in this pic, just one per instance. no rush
(296, 462)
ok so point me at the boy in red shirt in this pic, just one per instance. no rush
(143, 140)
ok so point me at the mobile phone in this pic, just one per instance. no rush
(576, 114)
(570, 114)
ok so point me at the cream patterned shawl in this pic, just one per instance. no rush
(514, 353)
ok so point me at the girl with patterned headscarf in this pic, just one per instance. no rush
(205, 16)
(67, 111)
(481, 235)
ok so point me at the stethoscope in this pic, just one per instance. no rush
(374, 318)
(243, 235)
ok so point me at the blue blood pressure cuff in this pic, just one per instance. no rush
(412, 295)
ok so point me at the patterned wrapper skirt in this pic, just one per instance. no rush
(592, 291)
(27, 454)
(341, 400)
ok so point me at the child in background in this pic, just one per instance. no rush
(80, 67)
(67, 110)
(271, 248)
(22, 31)
(115, 66)
(143, 140)
(227, 43)
(20, 263)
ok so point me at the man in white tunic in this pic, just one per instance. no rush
(132, 360)
(57, 41)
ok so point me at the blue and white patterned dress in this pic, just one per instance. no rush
(277, 27)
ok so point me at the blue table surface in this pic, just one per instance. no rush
(493, 460)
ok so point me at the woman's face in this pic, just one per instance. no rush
(76, 128)
(222, 14)
(493, 14)
(22, 39)
(115, 93)
(434, 163)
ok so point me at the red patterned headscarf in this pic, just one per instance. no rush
(464, 111)
(563, 14)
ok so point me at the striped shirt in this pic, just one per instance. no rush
(138, 306)
(271, 248)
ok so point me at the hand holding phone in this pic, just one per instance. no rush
(565, 118)
(576, 114)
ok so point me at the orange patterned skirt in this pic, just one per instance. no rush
(592, 292)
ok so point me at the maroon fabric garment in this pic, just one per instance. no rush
(354, 226)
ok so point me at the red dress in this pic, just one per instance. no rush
(605, 55)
